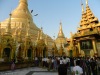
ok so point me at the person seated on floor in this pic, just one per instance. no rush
(62, 70)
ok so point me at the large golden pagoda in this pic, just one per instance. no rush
(18, 35)
(88, 34)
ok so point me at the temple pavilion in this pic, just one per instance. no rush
(87, 38)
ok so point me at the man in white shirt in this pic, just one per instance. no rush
(77, 70)
(61, 61)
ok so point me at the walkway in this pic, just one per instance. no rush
(29, 71)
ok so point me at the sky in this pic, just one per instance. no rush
(52, 12)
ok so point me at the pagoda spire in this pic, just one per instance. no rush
(71, 41)
(23, 3)
(83, 22)
(82, 6)
(41, 34)
(86, 2)
(27, 34)
(71, 34)
(8, 29)
(38, 36)
(90, 16)
(0, 28)
(0, 32)
(46, 41)
(61, 34)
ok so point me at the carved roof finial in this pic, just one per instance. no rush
(41, 34)
(82, 6)
(28, 29)
(8, 29)
(86, 2)
(38, 36)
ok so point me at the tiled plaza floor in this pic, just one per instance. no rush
(29, 71)
(32, 71)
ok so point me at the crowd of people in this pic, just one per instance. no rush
(76, 66)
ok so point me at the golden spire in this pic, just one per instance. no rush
(38, 37)
(23, 3)
(82, 6)
(90, 16)
(0, 28)
(8, 29)
(86, 2)
(15, 33)
(61, 49)
(0, 32)
(61, 34)
(41, 34)
(46, 42)
(83, 21)
(71, 41)
(27, 34)
(71, 34)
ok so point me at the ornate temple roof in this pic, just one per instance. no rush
(88, 23)
(88, 18)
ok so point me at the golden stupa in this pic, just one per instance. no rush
(19, 35)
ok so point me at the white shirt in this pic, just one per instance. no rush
(61, 61)
(64, 61)
(78, 70)
(52, 60)
(67, 60)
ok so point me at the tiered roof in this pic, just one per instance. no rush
(88, 22)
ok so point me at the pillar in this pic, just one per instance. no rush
(12, 53)
(42, 52)
(94, 46)
(1, 56)
(25, 52)
(0, 53)
(79, 49)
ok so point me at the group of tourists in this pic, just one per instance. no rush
(76, 66)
